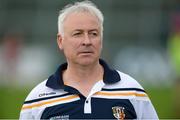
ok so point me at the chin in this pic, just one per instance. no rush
(87, 61)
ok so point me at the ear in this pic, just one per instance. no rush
(59, 41)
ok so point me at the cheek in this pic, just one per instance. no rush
(99, 44)
(70, 45)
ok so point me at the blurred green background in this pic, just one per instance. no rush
(141, 38)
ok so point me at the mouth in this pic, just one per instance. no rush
(86, 52)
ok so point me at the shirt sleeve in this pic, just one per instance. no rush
(149, 111)
(26, 114)
(29, 109)
(33, 113)
(144, 109)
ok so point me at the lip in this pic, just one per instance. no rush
(86, 52)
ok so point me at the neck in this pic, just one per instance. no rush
(83, 77)
(84, 72)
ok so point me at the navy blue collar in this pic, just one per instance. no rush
(55, 81)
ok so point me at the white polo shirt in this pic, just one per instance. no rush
(117, 96)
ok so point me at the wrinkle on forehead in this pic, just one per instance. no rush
(81, 21)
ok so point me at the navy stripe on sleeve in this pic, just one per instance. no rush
(123, 89)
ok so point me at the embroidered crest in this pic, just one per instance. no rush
(118, 112)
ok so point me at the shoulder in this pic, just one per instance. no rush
(42, 91)
(37, 91)
(128, 81)
(127, 88)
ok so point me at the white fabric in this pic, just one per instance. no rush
(142, 105)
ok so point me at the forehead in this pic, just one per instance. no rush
(81, 20)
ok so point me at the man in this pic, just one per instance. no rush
(86, 87)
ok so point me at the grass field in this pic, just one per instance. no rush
(162, 99)
(11, 102)
(12, 99)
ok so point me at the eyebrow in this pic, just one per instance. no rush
(93, 30)
(88, 30)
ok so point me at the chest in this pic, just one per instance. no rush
(94, 108)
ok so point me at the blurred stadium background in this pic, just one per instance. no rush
(141, 38)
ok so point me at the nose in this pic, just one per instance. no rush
(87, 40)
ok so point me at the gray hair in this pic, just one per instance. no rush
(84, 6)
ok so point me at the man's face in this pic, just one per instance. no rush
(81, 42)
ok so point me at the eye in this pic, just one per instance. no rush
(93, 33)
(77, 33)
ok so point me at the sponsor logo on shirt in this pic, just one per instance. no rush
(46, 94)
(61, 117)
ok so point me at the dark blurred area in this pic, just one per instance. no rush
(141, 38)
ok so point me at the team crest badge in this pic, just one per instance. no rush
(118, 112)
